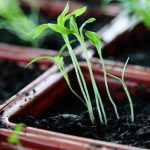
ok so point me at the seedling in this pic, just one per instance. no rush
(122, 81)
(140, 9)
(16, 21)
(14, 139)
(62, 28)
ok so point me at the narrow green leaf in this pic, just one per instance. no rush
(13, 138)
(90, 20)
(62, 15)
(124, 68)
(93, 38)
(73, 25)
(79, 12)
(59, 28)
(37, 31)
(76, 13)
(38, 59)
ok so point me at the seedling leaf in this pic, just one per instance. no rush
(90, 20)
(93, 38)
(59, 28)
(62, 15)
(124, 68)
(38, 59)
(73, 25)
(79, 12)
(76, 13)
(37, 31)
(13, 138)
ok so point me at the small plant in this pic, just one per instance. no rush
(13, 138)
(16, 21)
(71, 28)
(139, 9)
(122, 81)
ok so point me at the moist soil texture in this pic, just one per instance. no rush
(14, 77)
(136, 47)
(68, 115)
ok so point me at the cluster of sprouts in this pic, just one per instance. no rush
(66, 25)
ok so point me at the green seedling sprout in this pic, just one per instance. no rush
(13, 138)
(95, 40)
(59, 61)
(122, 81)
(79, 35)
(62, 28)
(16, 21)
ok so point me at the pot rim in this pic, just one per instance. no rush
(37, 84)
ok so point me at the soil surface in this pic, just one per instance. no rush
(63, 116)
(14, 77)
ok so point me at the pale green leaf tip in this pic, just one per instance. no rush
(85, 7)
(67, 5)
(93, 19)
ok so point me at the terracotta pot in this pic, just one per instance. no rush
(29, 141)
(44, 91)
(22, 55)
(32, 141)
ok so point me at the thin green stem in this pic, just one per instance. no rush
(130, 101)
(96, 92)
(64, 72)
(126, 90)
(122, 81)
(106, 82)
(80, 78)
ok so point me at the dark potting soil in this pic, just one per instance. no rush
(136, 47)
(14, 77)
(68, 115)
